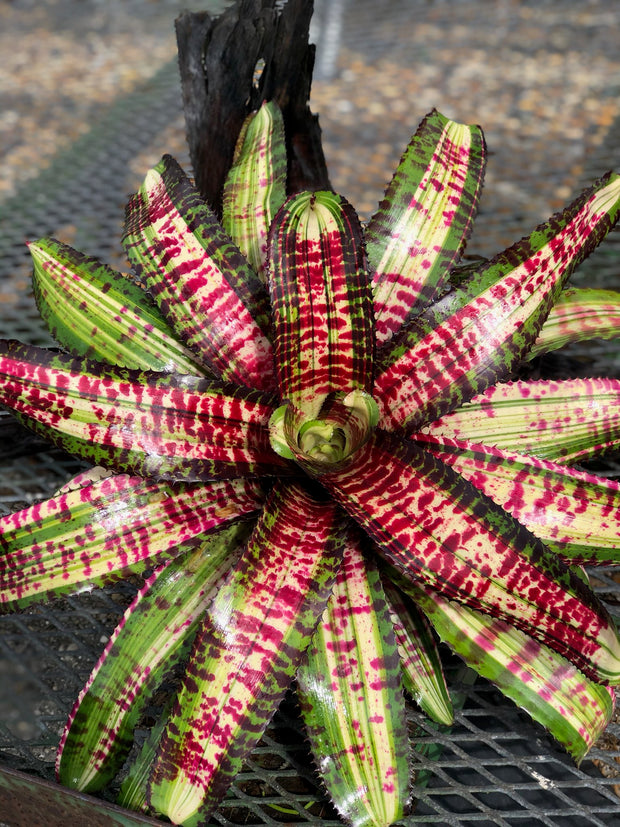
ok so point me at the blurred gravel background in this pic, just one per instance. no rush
(543, 79)
(90, 98)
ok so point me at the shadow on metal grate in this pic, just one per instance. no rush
(494, 767)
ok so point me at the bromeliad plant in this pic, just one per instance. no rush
(309, 438)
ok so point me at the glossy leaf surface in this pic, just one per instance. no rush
(321, 300)
(104, 530)
(565, 421)
(202, 284)
(165, 426)
(475, 337)
(255, 186)
(437, 528)
(422, 672)
(247, 652)
(574, 513)
(96, 312)
(351, 699)
(577, 316)
(556, 694)
(153, 635)
(420, 229)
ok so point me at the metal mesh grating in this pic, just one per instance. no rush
(493, 768)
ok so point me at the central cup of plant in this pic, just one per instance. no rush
(327, 433)
(325, 342)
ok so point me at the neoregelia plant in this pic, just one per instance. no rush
(309, 436)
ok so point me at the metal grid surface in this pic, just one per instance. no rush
(494, 766)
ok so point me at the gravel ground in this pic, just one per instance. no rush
(543, 79)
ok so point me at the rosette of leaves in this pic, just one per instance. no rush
(308, 435)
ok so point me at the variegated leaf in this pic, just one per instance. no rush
(132, 794)
(167, 426)
(476, 336)
(352, 702)
(153, 635)
(579, 315)
(423, 675)
(202, 284)
(419, 231)
(255, 187)
(247, 652)
(96, 312)
(320, 299)
(95, 533)
(574, 709)
(435, 527)
(575, 513)
(565, 421)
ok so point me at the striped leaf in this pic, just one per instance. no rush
(133, 791)
(574, 513)
(247, 652)
(351, 699)
(93, 534)
(579, 315)
(475, 337)
(167, 426)
(203, 285)
(420, 229)
(574, 709)
(321, 300)
(566, 421)
(96, 312)
(422, 672)
(255, 187)
(439, 529)
(153, 635)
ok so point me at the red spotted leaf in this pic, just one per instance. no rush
(247, 652)
(202, 284)
(167, 426)
(420, 229)
(474, 337)
(435, 527)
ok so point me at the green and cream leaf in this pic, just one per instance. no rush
(573, 708)
(93, 311)
(255, 186)
(351, 699)
(154, 634)
(566, 421)
(421, 227)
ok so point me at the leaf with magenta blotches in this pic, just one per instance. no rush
(575, 513)
(93, 311)
(321, 300)
(552, 690)
(255, 187)
(154, 634)
(579, 315)
(246, 652)
(437, 528)
(421, 227)
(167, 426)
(202, 284)
(108, 528)
(476, 336)
(422, 672)
(566, 421)
(351, 699)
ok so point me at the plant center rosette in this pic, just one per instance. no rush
(311, 440)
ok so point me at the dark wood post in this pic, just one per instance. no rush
(254, 51)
